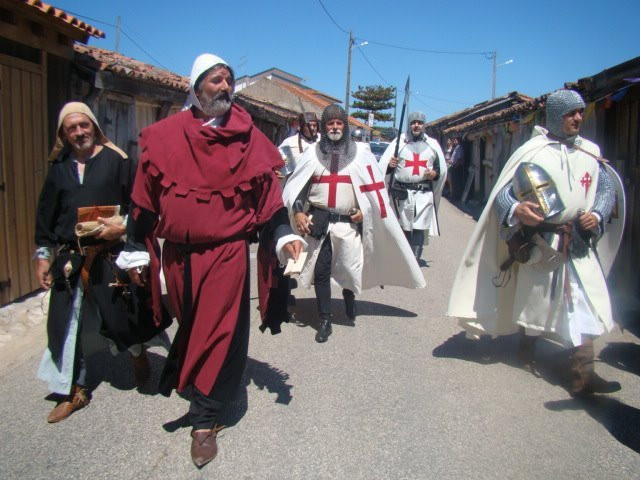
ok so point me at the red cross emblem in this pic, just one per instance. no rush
(333, 180)
(375, 186)
(416, 163)
(585, 181)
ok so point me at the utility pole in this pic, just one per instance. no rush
(118, 36)
(495, 67)
(346, 98)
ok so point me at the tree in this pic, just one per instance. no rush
(373, 99)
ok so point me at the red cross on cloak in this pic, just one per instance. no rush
(416, 163)
(585, 181)
(332, 179)
(375, 186)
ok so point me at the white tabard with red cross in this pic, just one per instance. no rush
(417, 212)
(332, 192)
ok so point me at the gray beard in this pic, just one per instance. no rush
(334, 137)
(216, 106)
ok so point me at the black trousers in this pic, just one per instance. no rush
(322, 278)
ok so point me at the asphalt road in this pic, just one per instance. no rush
(402, 395)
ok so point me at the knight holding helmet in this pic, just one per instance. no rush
(559, 194)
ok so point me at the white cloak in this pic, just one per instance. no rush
(389, 259)
(526, 299)
(419, 210)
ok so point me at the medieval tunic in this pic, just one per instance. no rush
(419, 210)
(210, 189)
(360, 184)
(529, 299)
(107, 180)
(296, 144)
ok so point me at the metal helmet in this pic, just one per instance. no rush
(304, 119)
(531, 182)
(357, 135)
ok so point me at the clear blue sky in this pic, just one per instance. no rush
(550, 42)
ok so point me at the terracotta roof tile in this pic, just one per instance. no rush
(64, 17)
(129, 67)
(317, 98)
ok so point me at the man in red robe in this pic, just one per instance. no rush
(206, 184)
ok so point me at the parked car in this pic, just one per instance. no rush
(378, 148)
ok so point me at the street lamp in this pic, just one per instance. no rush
(351, 43)
(494, 55)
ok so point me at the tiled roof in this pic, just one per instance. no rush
(317, 98)
(129, 67)
(488, 112)
(63, 16)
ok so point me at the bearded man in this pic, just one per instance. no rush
(558, 288)
(206, 184)
(294, 146)
(87, 170)
(418, 176)
(336, 196)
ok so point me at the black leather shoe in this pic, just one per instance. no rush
(325, 329)
(597, 384)
(349, 304)
(203, 446)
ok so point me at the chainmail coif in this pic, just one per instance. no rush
(345, 148)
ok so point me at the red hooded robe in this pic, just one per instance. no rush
(212, 188)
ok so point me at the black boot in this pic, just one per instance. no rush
(325, 328)
(349, 304)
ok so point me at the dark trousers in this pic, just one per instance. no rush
(322, 277)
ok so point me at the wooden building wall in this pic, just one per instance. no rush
(621, 145)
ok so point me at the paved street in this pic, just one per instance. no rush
(402, 395)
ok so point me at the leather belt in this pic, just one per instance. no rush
(90, 253)
(420, 186)
(334, 217)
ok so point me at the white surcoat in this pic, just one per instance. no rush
(378, 238)
(419, 210)
(528, 299)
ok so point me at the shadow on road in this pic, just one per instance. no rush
(622, 355)
(552, 360)
(621, 421)
(306, 313)
(263, 376)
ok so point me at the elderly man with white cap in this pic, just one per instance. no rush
(418, 175)
(550, 279)
(207, 185)
(88, 172)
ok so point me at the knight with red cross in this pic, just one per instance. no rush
(418, 174)
(337, 198)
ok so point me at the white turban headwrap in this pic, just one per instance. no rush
(201, 64)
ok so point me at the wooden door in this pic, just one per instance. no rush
(23, 166)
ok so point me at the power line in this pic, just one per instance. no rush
(421, 50)
(488, 55)
(329, 15)
(124, 33)
(413, 93)
(374, 68)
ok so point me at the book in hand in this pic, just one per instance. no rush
(294, 267)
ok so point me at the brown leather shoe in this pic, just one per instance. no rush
(141, 368)
(79, 398)
(203, 446)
